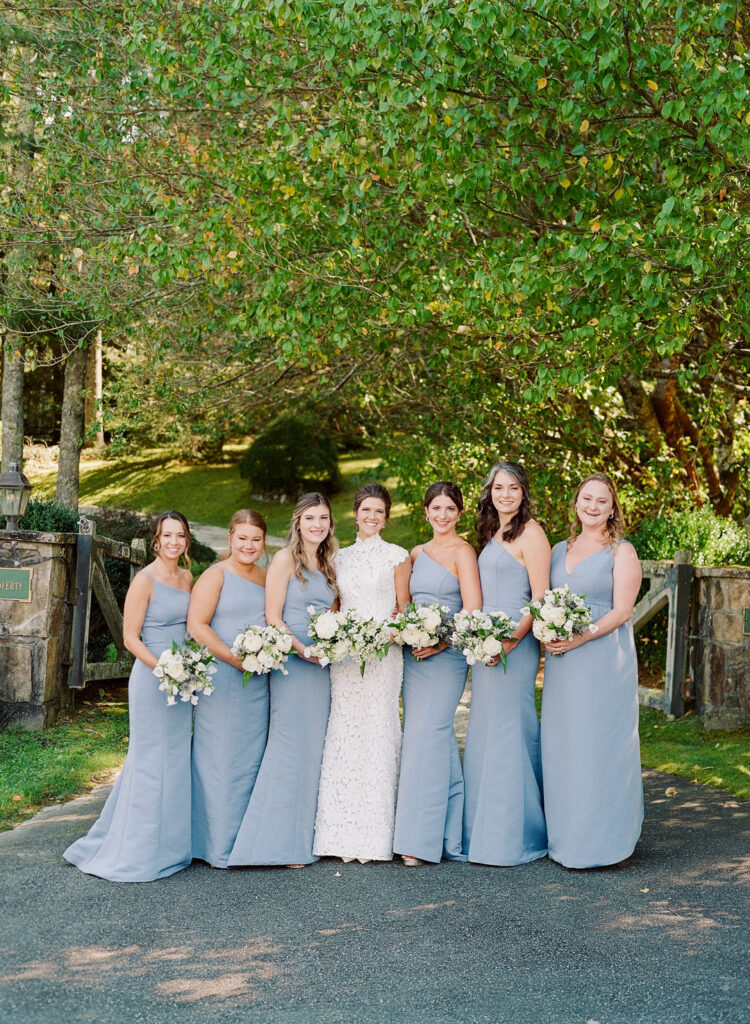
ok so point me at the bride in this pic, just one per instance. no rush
(357, 797)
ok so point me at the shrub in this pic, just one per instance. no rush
(293, 454)
(711, 539)
(44, 516)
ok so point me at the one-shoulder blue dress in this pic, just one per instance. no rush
(503, 816)
(278, 825)
(430, 803)
(593, 791)
(143, 832)
(231, 726)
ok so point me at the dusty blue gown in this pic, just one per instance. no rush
(278, 825)
(593, 792)
(429, 808)
(503, 816)
(231, 726)
(143, 832)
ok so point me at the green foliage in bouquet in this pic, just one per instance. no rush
(293, 454)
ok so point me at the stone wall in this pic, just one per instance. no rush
(719, 650)
(35, 636)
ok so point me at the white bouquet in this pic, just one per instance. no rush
(368, 638)
(329, 634)
(424, 625)
(558, 615)
(479, 635)
(185, 671)
(262, 649)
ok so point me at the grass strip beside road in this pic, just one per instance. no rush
(80, 751)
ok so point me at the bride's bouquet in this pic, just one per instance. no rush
(558, 615)
(262, 649)
(424, 625)
(185, 671)
(328, 631)
(479, 635)
(368, 638)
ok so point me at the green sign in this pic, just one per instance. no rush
(15, 584)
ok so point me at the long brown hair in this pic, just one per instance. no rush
(327, 548)
(156, 530)
(615, 528)
(246, 515)
(487, 521)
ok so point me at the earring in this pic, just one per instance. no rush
(155, 546)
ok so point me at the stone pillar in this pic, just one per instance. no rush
(35, 634)
(720, 648)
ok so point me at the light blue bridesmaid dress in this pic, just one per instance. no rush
(430, 802)
(280, 818)
(230, 731)
(503, 816)
(593, 792)
(143, 832)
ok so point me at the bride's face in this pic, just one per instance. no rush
(370, 517)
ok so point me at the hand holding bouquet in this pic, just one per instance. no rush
(185, 671)
(479, 635)
(329, 634)
(262, 649)
(368, 638)
(558, 615)
(424, 625)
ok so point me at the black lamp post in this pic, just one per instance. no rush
(14, 496)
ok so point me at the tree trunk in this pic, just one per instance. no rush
(94, 392)
(12, 410)
(71, 428)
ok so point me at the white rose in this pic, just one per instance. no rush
(492, 646)
(545, 634)
(326, 626)
(340, 650)
(554, 614)
(431, 621)
(411, 636)
(253, 643)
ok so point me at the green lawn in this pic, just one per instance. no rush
(211, 492)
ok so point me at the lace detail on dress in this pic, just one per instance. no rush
(357, 799)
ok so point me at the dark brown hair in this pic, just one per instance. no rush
(487, 521)
(156, 530)
(448, 489)
(615, 528)
(373, 491)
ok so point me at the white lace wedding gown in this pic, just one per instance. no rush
(357, 797)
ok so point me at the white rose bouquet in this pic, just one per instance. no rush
(479, 635)
(185, 671)
(262, 649)
(368, 638)
(329, 634)
(558, 615)
(424, 625)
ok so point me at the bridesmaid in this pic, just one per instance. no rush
(231, 725)
(143, 832)
(431, 787)
(590, 753)
(503, 816)
(278, 824)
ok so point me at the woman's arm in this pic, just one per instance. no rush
(136, 603)
(467, 571)
(401, 577)
(278, 575)
(627, 577)
(203, 602)
(536, 554)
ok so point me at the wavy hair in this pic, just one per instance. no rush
(156, 530)
(242, 516)
(487, 521)
(326, 549)
(615, 528)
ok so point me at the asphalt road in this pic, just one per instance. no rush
(662, 939)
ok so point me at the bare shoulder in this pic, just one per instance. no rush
(212, 576)
(416, 552)
(282, 559)
(625, 552)
(464, 553)
(534, 534)
(142, 582)
(261, 581)
(187, 578)
(281, 568)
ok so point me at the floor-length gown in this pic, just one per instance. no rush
(143, 832)
(278, 825)
(503, 816)
(593, 791)
(357, 796)
(429, 809)
(230, 731)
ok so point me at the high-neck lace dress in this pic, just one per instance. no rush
(357, 796)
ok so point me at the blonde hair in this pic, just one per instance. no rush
(246, 515)
(326, 549)
(615, 528)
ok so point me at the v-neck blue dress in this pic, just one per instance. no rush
(429, 810)
(503, 816)
(593, 791)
